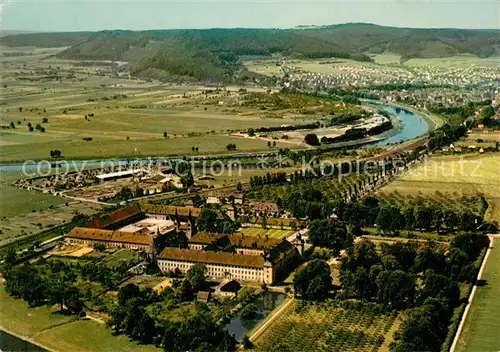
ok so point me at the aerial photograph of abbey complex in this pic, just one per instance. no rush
(258, 175)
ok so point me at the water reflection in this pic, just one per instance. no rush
(266, 303)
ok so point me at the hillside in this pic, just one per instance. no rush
(214, 54)
(45, 40)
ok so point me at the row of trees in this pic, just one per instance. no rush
(53, 288)
(460, 112)
(445, 135)
(307, 126)
(358, 133)
(391, 218)
(55, 153)
(268, 179)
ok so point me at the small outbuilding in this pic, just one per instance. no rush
(203, 296)
(228, 288)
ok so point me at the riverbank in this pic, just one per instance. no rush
(434, 121)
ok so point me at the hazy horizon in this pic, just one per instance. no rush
(27, 31)
(70, 15)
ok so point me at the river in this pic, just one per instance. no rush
(412, 125)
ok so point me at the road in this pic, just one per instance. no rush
(473, 292)
(260, 329)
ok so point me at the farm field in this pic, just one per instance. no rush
(480, 140)
(272, 233)
(124, 118)
(111, 148)
(453, 176)
(328, 327)
(463, 61)
(481, 328)
(17, 201)
(387, 58)
(28, 212)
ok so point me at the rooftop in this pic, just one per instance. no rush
(109, 236)
(114, 217)
(170, 210)
(119, 174)
(236, 240)
(221, 258)
(206, 237)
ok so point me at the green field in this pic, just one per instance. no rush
(17, 201)
(110, 148)
(15, 315)
(125, 118)
(327, 327)
(481, 330)
(87, 335)
(24, 212)
(453, 176)
(463, 61)
(120, 258)
(272, 233)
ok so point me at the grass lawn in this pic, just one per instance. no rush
(16, 316)
(175, 314)
(120, 257)
(454, 176)
(16, 201)
(87, 335)
(272, 233)
(144, 281)
(481, 330)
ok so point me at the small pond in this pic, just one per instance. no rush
(266, 303)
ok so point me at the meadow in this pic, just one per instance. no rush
(124, 118)
(327, 327)
(460, 61)
(24, 212)
(120, 258)
(481, 328)
(87, 335)
(15, 315)
(453, 177)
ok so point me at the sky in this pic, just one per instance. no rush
(94, 15)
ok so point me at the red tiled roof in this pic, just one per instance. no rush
(114, 217)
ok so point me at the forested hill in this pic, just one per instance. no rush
(215, 53)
